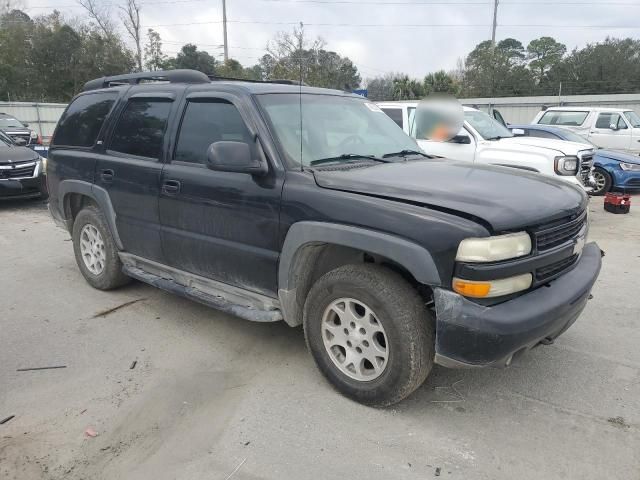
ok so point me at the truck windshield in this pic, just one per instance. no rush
(332, 128)
(487, 127)
(633, 117)
(10, 122)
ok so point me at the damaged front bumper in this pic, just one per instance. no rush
(473, 335)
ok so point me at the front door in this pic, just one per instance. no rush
(219, 225)
(129, 169)
(610, 130)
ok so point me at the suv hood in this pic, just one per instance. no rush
(562, 146)
(17, 154)
(502, 198)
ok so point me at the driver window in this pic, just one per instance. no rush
(621, 123)
(605, 120)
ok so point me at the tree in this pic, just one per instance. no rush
(130, 15)
(543, 54)
(381, 88)
(153, 56)
(100, 15)
(440, 82)
(192, 58)
(405, 88)
(16, 72)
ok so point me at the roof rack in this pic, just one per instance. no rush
(283, 81)
(171, 76)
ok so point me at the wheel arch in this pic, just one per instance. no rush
(313, 248)
(73, 195)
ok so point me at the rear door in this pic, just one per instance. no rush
(610, 130)
(130, 166)
(219, 225)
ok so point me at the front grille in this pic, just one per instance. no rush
(635, 182)
(18, 170)
(557, 233)
(550, 271)
(586, 162)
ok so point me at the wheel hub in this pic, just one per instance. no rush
(355, 339)
(92, 249)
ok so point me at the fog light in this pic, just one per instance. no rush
(493, 288)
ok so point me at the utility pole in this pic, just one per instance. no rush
(495, 22)
(224, 29)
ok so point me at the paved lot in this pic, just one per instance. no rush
(215, 397)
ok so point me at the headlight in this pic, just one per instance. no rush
(43, 161)
(33, 134)
(493, 288)
(566, 165)
(492, 249)
(634, 167)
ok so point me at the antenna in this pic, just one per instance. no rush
(300, 91)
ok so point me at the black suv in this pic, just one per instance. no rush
(18, 130)
(284, 202)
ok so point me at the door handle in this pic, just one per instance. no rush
(107, 175)
(171, 187)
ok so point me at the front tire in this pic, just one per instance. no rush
(603, 181)
(95, 251)
(370, 333)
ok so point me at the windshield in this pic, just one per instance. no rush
(486, 126)
(633, 117)
(332, 126)
(10, 122)
(5, 141)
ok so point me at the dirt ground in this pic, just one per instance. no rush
(214, 397)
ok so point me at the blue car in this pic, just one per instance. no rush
(613, 170)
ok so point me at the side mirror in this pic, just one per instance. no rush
(461, 139)
(227, 156)
(613, 126)
(25, 124)
(20, 142)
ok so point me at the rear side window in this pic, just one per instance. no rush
(140, 128)
(395, 114)
(204, 123)
(569, 119)
(82, 121)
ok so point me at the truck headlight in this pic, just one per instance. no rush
(33, 134)
(43, 163)
(566, 165)
(492, 288)
(634, 167)
(493, 249)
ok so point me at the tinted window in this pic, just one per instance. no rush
(140, 129)
(567, 118)
(395, 114)
(542, 134)
(204, 123)
(83, 119)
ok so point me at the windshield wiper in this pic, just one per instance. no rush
(346, 156)
(404, 153)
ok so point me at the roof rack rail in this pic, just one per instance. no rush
(171, 76)
(283, 81)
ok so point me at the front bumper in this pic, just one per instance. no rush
(23, 188)
(473, 335)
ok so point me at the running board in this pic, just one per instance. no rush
(226, 298)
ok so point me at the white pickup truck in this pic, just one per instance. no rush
(483, 140)
(613, 128)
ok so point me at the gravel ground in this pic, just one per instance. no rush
(215, 397)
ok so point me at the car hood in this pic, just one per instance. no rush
(17, 154)
(562, 146)
(619, 156)
(503, 199)
(16, 130)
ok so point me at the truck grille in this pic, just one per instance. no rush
(586, 162)
(557, 233)
(550, 271)
(17, 170)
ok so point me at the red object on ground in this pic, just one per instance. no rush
(617, 202)
(90, 432)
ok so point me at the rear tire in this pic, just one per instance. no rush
(370, 333)
(95, 251)
(603, 181)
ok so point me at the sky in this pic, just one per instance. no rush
(410, 36)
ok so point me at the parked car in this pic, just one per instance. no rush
(613, 128)
(612, 170)
(22, 171)
(17, 129)
(483, 140)
(391, 260)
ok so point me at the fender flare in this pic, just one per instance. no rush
(98, 195)
(415, 258)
